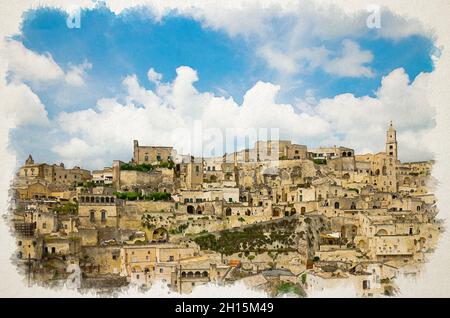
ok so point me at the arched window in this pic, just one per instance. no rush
(228, 212)
(353, 206)
(205, 274)
(190, 274)
(303, 210)
(183, 274)
(103, 214)
(190, 209)
(198, 274)
(92, 215)
(336, 205)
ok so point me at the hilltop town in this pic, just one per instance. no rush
(309, 220)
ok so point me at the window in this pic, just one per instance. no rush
(146, 158)
(161, 270)
(92, 216)
(103, 216)
(44, 225)
(366, 284)
(158, 157)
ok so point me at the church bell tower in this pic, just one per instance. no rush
(391, 142)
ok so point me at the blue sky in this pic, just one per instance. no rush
(132, 42)
(229, 65)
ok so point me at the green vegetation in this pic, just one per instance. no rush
(353, 189)
(320, 161)
(133, 196)
(67, 208)
(252, 239)
(289, 288)
(180, 229)
(303, 278)
(168, 165)
(146, 167)
(135, 167)
(87, 184)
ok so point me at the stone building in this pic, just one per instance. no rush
(152, 154)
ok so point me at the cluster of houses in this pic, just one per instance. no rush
(277, 217)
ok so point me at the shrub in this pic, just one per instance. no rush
(320, 161)
(145, 167)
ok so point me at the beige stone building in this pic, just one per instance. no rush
(152, 154)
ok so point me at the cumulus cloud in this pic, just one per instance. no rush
(350, 61)
(76, 73)
(21, 106)
(362, 120)
(154, 76)
(25, 65)
(152, 116)
(290, 35)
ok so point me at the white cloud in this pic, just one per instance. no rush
(154, 76)
(76, 74)
(362, 120)
(152, 116)
(20, 106)
(25, 65)
(289, 34)
(351, 62)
